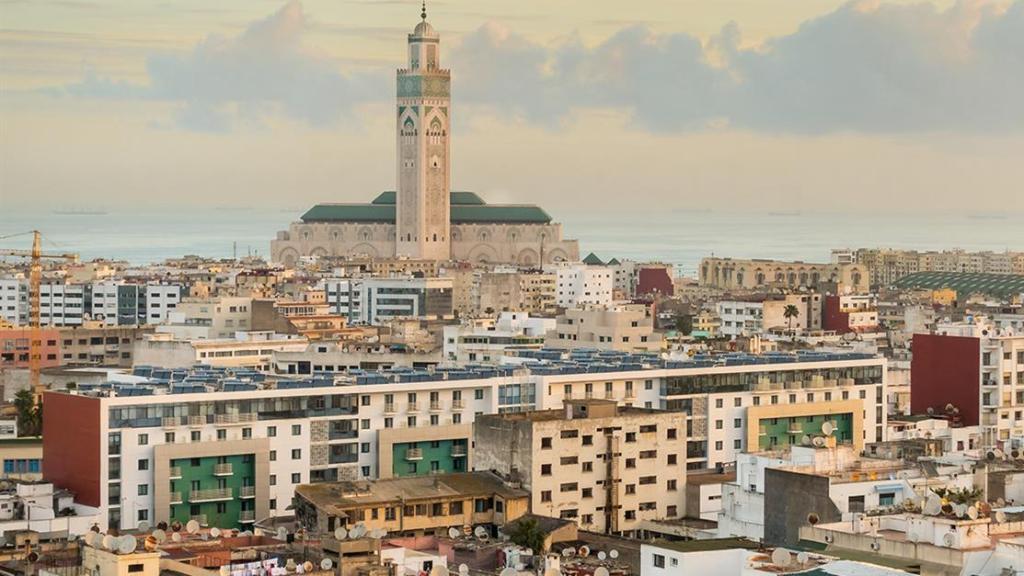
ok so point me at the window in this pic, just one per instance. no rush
(659, 561)
(568, 487)
(143, 489)
(246, 433)
(296, 429)
(478, 394)
(296, 453)
(195, 436)
(454, 508)
(545, 443)
(646, 480)
(671, 485)
(630, 488)
(737, 401)
(588, 466)
(273, 455)
(297, 478)
(271, 431)
(886, 498)
(587, 493)
(273, 480)
(630, 436)
(144, 464)
(222, 434)
(545, 469)
(718, 424)
(672, 434)
(545, 496)
(143, 439)
(672, 459)
(718, 402)
(630, 462)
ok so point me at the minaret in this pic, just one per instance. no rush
(423, 216)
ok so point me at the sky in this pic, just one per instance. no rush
(596, 105)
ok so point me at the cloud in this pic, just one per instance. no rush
(222, 81)
(867, 67)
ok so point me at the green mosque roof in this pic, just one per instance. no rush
(965, 282)
(593, 260)
(466, 208)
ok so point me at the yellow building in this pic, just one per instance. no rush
(944, 296)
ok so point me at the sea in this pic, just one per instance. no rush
(679, 237)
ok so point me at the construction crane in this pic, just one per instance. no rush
(35, 339)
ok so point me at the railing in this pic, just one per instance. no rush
(174, 472)
(176, 498)
(247, 516)
(630, 394)
(247, 492)
(414, 454)
(234, 418)
(170, 421)
(413, 407)
(210, 494)
(389, 408)
(458, 404)
(458, 450)
(436, 406)
(196, 420)
(201, 518)
(223, 470)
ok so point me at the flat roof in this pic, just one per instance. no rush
(341, 496)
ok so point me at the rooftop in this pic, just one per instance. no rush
(466, 208)
(965, 282)
(337, 497)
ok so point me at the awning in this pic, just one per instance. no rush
(888, 487)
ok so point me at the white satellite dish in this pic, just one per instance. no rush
(378, 533)
(215, 532)
(307, 566)
(1000, 516)
(480, 532)
(192, 527)
(439, 570)
(960, 510)
(258, 531)
(972, 513)
(601, 555)
(828, 428)
(584, 551)
(358, 531)
(453, 532)
(94, 539)
(510, 571)
(326, 564)
(159, 535)
(176, 537)
(781, 557)
(601, 571)
(948, 539)
(463, 569)
(143, 526)
(933, 507)
(569, 552)
(126, 544)
(340, 533)
(802, 558)
(805, 440)
(818, 441)
(109, 542)
(613, 554)
(282, 533)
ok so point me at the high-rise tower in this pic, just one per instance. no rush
(424, 106)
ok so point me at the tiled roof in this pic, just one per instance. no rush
(466, 208)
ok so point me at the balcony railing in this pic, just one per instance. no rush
(247, 516)
(630, 394)
(414, 454)
(389, 408)
(458, 404)
(436, 406)
(176, 498)
(174, 472)
(458, 450)
(170, 421)
(413, 407)
(196, 420)
(223, 470)
(210, 495)
(247, 492)
(234, 418)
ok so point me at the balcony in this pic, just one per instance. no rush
(210, 495)
(458, 450)
(234, 418)
(247, 492)
(170, 422)
(413, 407)
(174, 473)
(223, 470)
(201, 518)
(436, 406)
(389, 408)
(795, 428)
(247, 516)
(630, 394)
(197, 420)
(458, 404)
(414, 454)
(176, 498)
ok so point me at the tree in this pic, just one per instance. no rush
(684, 324)
(527, 533)
(791, 312)
(30, 416)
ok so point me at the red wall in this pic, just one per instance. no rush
(15, 342)
(72, 444)
(944, 370)
(654, 280)
(832, 318)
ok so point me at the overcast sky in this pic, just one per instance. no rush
(599, 104)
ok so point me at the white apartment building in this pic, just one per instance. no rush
(486, 341)
(253, 350)
(605, 466)
(62, 304)
(117, 303)
(580, 284)
(378, 300)
(14, 301)
(739, 318)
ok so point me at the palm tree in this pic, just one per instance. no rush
(791, 312)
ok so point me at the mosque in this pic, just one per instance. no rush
(423, 218)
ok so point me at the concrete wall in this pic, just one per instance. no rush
(789, 498)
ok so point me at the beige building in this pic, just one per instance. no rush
(250, 350)
(420, 505)
(627, 328)
(218, 317)
(511, 291)
(96, 345)
(738, 274)
(607, 467)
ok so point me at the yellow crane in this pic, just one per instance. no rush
(35, 338)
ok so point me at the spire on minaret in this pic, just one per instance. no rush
(423, 13)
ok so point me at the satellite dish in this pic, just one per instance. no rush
(32, 557)
(176, 526)
(109, 542)
(159, 535)
(215, 532)
(805, 440)
(802, 558)
(584, 551)
(947, 508)
(308, 566)
(126, 544)
(972, 513)
(1000, 516)
(282, 533)
(176, 537)
(510, 571)
(290, 564)
(480, 532)
(818, 441)
(552, 572)
(949, 407)
(1000, 502)
(358, 531)
(999, 453)
(827, 429)
(990, 456)
(912, 535)
(813, 518)
(569, 552)
(192, 527)
(601, 555)
(143, 526)
(150, 543)
(613, 554)
(933, 507)
(204, 536)
(326, 564)
(948, 539)
(258, 531)
(340, 533)
(247, 534)
(931, 411)
(439, 570)
(463, 569)
(453, 532)
(601, 571)
(781, 557)
(960, 510)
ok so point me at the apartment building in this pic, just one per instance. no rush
(885, 265)
(757, 315)
(740, 318)
(627, 328)
(511, 290)
(62, 304)
(605, 466)
(253, 350)
(758, 274)
(215, 317)
(979, 370)
(15, 346)
(95, 344)
(487, 341)
(850, 313)
(378, 300)
(581, 284)
(426, 505)
(116, 303)
(14, 301)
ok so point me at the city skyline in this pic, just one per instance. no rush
(590, 113)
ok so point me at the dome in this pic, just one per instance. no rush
(424, 30)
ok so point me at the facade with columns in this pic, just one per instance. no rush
(423, 218)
